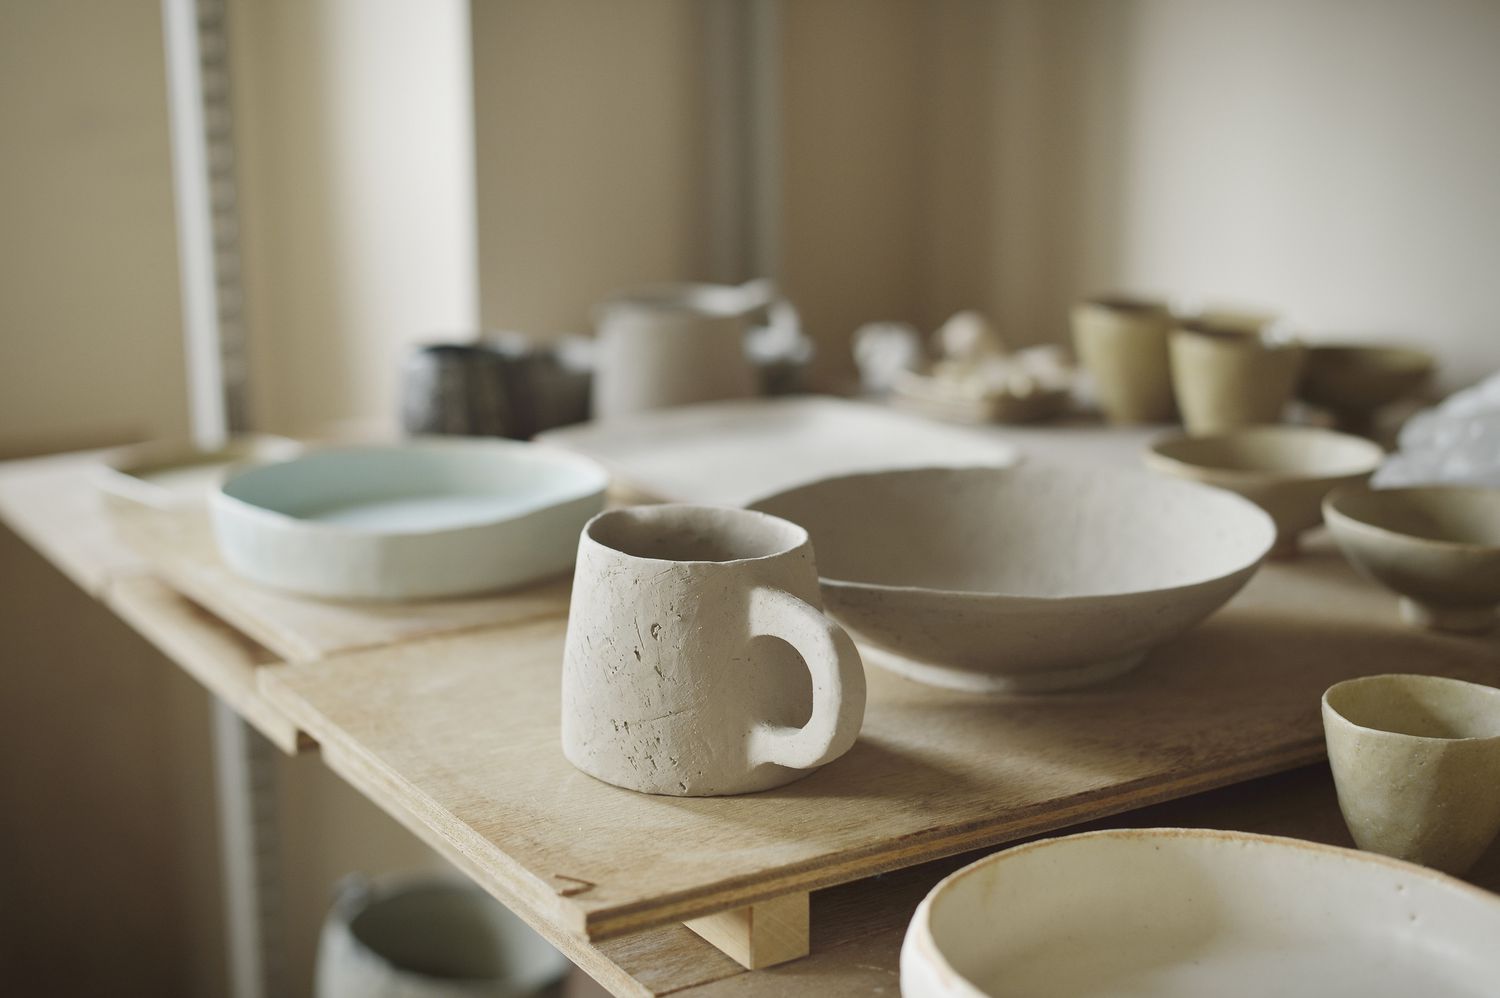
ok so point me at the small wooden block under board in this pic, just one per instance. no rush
(762, 934)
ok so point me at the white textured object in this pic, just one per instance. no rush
(731, 453)
(1029, 578)
(1454, 443)
(1186, 913)
(698, 659)
(422, 520)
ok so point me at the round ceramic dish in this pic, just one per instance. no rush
(1173, 913)
(1354, 381)
(1436, 546)
(1022, 579)
(1285, 470)
(413, 521)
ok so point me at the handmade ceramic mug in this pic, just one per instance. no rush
(1122, 343)
(1228, 376)
(1416, 760)
(699, 661)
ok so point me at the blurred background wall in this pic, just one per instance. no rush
(413, 169)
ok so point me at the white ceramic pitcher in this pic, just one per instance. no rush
(673, 344)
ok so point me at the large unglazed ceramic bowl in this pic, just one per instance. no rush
(1436, 546)
(428, 519)
(1031, 578)
(1186, 913)
(1285, 470)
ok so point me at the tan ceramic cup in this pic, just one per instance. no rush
(1416, 760)
(1225, 377)
(698, 660)
(1122, 343)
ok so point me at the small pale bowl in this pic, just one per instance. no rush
(1354, 381)
(1189, 912)
(1437, 547)
(1024, 579)
(1285, 470)
(1416, 760)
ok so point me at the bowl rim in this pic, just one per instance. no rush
(595, 484)
(1332, 514)
(1027, 467)
(919, 930)
(1158, 457)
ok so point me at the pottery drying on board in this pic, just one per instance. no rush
(1122, 343)
(698, 659)
(1437, 547)
(1186, 913)
(1416, 760)
(1354, 382)
(1285, 470)
(1035, 577)
(674, 344)
(730, 453)
(1225, 377)
(433, 518)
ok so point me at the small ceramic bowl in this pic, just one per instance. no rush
(1438, 547)
(1285, 470)
(1354, 381)
(1188, 912)
(1416, 760)
(1025, 579)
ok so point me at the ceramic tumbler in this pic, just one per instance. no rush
(1416, 760)
(1122, 343)
(1226, 377)
(675, 344)
(698, 659)
(456, 388)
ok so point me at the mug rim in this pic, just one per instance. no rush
(1395, 678)
(794, 537)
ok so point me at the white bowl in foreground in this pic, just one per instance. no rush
(1183, 913)
(1031, 578)
(421, 520)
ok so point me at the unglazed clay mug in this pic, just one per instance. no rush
(1122, 343)
(1416, 760)
(1226, 376)
(699, 661)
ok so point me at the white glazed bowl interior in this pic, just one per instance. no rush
(425, 519)
(998, 575)
(1190, 912)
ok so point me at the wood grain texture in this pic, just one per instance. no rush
(181, 549)
(53, 504)
(209, 650)
(759, 935)
(462, 732)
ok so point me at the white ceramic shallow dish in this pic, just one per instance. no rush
(1186, 913)
(730, 453)
(1024, 579)
(432, 518)
(167, 475)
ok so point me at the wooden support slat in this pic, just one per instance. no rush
(759, 935)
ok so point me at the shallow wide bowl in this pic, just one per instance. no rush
(1285, 470)
(1029, 578)
(1190, 912)
(1438, 547)
(1359, 379)
(413, 521)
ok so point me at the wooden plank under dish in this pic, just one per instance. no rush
(459, 735)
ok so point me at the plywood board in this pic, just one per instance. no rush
(461, 733)
(180, 548)
(210, 651)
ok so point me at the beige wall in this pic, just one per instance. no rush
(357, 198)
(90, 343)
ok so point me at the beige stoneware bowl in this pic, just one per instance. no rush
(1032, 578)
(1187, 913)
(1437, 547)
(1355, 381)
(1285, 470)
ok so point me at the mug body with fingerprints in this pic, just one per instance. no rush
(699, 661)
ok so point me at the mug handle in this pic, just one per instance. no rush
(838, 678)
